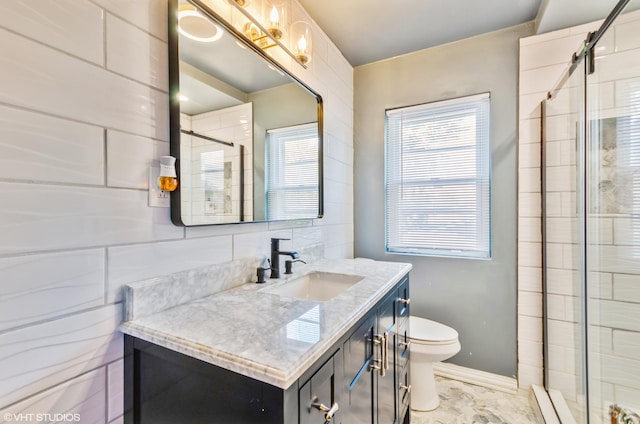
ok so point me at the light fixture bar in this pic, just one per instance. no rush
(266, 33)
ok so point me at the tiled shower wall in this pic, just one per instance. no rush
(615, 286)
(614, 220)
(543, 59)
(83, 114)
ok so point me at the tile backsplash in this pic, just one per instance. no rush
(83, 114)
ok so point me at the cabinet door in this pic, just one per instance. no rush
(404, 392)
(386, 384)
(319, 395)
(402, 351)
(359, 374)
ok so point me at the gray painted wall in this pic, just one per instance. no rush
(476, 297)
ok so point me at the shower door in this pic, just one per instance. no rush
(613, 219)
(563, 243)
(591, 227)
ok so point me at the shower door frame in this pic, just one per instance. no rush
(586, 52)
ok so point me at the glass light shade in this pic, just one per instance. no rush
(301, 41)
(274, 17)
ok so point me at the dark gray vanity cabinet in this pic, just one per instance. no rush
(401, 347)
(392, 366)
(362, 379)
(386, 399)
(358, 373)
(322, 392)
(376, 360)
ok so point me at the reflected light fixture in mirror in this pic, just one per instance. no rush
(241, 3)
(270, 29)
(195, 26)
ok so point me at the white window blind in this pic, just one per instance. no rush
(437, 178)
(292, 172)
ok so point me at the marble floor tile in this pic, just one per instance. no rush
(463, 403)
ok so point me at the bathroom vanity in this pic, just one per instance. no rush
(257, 354)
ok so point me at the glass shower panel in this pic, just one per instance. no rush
(613, 220)
(563, 194)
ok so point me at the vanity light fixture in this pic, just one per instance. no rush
(271, 30)
(195, 26)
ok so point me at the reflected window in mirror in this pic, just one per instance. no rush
(292, 169)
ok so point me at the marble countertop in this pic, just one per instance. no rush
(265, 336)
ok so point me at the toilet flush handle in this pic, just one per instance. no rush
(405, 301)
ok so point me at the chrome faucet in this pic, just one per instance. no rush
(275, 256)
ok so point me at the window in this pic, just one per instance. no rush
(292, 172)
(438, 178)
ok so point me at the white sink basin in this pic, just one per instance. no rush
(316, 285)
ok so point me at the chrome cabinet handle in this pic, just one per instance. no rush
(405, 387)
(330, 412)
(380, 339)
(405, 301)
(404, 344)
(385, 346)
(375, 367)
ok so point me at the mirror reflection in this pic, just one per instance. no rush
(247, 135)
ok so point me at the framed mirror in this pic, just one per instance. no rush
(247, 135)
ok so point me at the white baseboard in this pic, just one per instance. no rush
(479, 378)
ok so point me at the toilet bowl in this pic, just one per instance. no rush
(430, 342)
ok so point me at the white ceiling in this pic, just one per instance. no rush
(366, 31)
(556, 14)
(370, 30)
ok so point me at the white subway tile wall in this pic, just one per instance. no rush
(614, 283)
(83, 114)
(543, 58)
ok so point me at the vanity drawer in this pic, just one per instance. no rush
(403, 300)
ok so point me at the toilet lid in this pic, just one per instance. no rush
(431, 331)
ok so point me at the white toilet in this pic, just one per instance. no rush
(430, 342)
